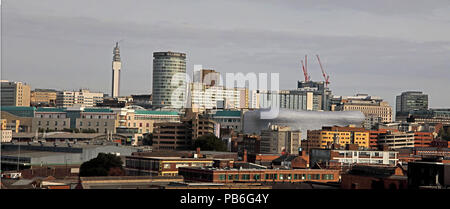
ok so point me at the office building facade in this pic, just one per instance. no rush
(15, 94)
(411, 100)
(169, 79)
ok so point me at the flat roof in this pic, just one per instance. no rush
(171, 158)
(255, 169)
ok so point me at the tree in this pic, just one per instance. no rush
(444, 133)
(210, 142)
(103, 165)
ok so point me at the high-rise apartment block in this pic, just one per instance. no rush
(169, 79)
(15, 94)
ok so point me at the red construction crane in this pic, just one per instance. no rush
(305, 70)
(325, 76)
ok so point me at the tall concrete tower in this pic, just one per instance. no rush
(116, 66)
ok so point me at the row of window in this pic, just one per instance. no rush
(275, 176)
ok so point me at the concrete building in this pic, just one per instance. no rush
(321, 93)
(230, 119)
(291, 99)
(396, 139)
(208, 77)
(350, 157)
(43, 97)
(431, 116)
(116, 67)
(369, 105)
(144, 120)
(411, 100)
(82, 98)
(15, 94)
(161, 166)
(172, 136)
(342, 136)
(280, 139)
(48, 154)
(169, 77)
(206, 97)
(100, 120)
(18, 119)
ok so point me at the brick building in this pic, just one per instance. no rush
(258, 175)
(375, 177)
(423, 139)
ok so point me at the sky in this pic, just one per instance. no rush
(380, 48)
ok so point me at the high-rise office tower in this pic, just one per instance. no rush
(14, 93)
(411, 100)
(116, 66)
(169, 79)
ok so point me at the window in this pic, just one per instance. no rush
(257, 177)
(106, 123)
(230, 177)
(222, 177)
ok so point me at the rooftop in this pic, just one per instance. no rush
(50, 109)
(228, 113)
(149, 112)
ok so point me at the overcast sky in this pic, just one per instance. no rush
(377, 47)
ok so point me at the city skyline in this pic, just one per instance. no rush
(382, 44)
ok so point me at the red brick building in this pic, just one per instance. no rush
(423, 139)
(215, 175)
(375, 177)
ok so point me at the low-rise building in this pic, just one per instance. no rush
(427, 174)
(82, 98)
(208, 174)
(172, 136)
(423, 139)
(161, 166)
(230, 119)
(396, 139)
(351, 157)
(375, 177)
(337, 135)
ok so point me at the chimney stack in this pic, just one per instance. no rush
(198, 151)
(245, 155)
